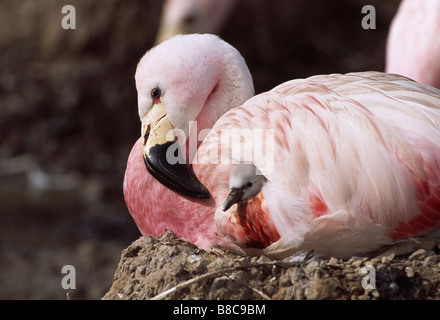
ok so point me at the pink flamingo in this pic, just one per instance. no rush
(356, 157)
(413, 47)
(193, 16)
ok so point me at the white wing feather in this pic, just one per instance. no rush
(355, 140)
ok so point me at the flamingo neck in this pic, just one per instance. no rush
(156, 209)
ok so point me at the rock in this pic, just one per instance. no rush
(333, 261)
(421, 253)
(311, 267)
(171, 268)
(357, 263)
(409, 272)
(388, 259)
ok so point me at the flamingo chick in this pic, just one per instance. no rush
(350, 162)
(413, 45)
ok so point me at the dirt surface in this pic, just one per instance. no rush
(68, 119)
(171, 268)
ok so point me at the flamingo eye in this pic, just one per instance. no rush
(190, 19)
(249, 184)
(155, 94)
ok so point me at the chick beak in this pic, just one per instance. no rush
(235, 196)
(160, 159)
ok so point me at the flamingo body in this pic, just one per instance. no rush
(413, 46)
(352, 162)
(357, 163)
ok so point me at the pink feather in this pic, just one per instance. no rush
(413, 47)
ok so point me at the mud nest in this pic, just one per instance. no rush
(171, 268)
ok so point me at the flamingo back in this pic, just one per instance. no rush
(353, 161)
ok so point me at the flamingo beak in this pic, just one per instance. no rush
(234, 197)
(166, 32)
(158, 149)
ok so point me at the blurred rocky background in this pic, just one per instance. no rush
(68, 118)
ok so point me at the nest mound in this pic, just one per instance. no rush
(171, 268)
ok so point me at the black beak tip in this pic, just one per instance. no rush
(226, 206)
(235, 196)
(178, 177)
(199, 191)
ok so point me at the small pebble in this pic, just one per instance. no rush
(409, 272)
(264, 260)
(421, 253)
(311, 266)
(369, 263)
(333, 261)
(388, 259)
(357, 263)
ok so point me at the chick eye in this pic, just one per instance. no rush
(249, 184)
(155, 93)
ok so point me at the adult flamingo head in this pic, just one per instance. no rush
(184, 85)
(193, 16)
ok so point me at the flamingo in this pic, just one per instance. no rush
(193, 16)
(413, 45)
(351, 162)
